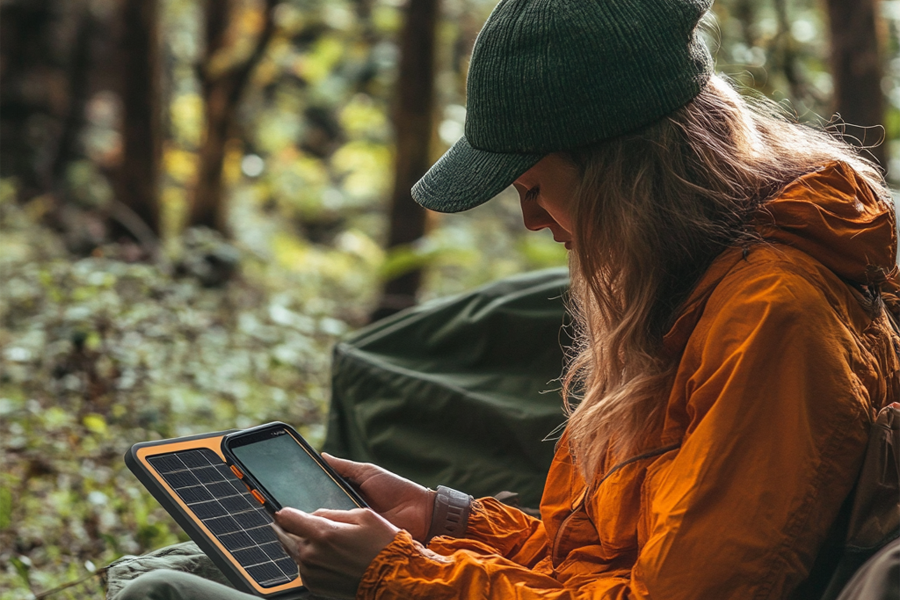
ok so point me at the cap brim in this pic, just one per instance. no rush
(466, 177)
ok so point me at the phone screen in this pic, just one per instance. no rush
(291, 475)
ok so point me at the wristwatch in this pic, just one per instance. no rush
(451, 513)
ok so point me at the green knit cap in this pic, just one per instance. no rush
(552, 75)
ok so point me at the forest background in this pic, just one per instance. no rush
(199, 197)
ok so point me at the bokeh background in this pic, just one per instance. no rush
(198, 197)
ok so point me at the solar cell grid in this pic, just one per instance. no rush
(224, 489)
(261, 535)
(236, 541)
(182, 479)
(219, 500)
(209, 510)
(237, 486)
(207, 474)
(192, 494)
(254, 518)
(273, 550)
(251, 556)
(222, 525)
(286, 564)
(165, 464)
(196, 458)
(236, 504)
(267, 572)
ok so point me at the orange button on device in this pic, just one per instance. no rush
(237, 472)
(258, 496)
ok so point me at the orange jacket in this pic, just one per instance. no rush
(781, 372)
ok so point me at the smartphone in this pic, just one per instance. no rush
(281, 469)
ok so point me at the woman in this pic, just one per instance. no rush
(727, 271)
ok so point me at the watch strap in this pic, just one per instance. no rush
(451, 513)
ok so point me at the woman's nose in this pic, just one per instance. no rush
(535, 217)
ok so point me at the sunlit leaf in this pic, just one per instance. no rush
(365, 167)
(95, 423)
(23, 568)
(362, 117)
(317, 64)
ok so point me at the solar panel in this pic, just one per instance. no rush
(219, 500)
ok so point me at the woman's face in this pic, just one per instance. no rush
(545, 193)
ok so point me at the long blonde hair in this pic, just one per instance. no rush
(654, 209)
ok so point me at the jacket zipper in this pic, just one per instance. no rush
(562, 527)
(580, 506)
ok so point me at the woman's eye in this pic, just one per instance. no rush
(532, 194)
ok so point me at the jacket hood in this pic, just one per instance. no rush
(831, 215)
(834, 216)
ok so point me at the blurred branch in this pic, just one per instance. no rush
(222, 92)
(136, 226)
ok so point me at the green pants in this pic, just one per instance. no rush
(177, 572)
(166, 584)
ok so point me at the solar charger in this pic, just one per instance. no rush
(190, 479)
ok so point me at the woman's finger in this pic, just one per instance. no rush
(350, 470)
(284, 537)
(290, 542)
(299, 523)
(352, 516)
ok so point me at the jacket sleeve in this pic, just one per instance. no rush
(505, 530)
(776, 421)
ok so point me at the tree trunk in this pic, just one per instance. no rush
(857, 71)
(30, 112)
(413, 119)
(206, 206)
(137, 209)
(222, 93)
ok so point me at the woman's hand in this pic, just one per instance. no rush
(406, 504)
(333, 548)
